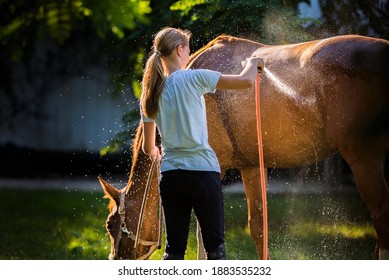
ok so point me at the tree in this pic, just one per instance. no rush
(61, 30)
(206, 20)
(366, 17)
(116, 35)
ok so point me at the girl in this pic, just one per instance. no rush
(172, 100)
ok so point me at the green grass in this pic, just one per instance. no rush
(44, 224)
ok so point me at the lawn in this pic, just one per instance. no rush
(53, 224)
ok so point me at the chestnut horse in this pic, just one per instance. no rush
(317, 98)
(134, 236)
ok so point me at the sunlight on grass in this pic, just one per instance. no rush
(295, 232)
(239, 244)
(70, 225)
(357, 232)
(347, 231)
(88, 242)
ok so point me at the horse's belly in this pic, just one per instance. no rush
(290, 138)
(290, 153)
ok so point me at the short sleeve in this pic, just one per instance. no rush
(208, 79)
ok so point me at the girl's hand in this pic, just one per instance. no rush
(258, 61)
(254, 60)
(156, 154)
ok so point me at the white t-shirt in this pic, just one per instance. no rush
(182, 122)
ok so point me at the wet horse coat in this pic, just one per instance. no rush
(317, 98)
(334, 96)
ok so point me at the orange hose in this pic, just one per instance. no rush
(261, 169)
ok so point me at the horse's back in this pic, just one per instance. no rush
(322, 82)
(353, 53)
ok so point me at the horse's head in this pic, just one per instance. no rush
(133, 232)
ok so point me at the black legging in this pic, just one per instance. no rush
(182, 190)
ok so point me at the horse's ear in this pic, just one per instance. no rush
(109, 190)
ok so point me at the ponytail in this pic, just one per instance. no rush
(152, 85)
(165, 41)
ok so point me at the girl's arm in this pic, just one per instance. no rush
(245, 79)
(148, 145)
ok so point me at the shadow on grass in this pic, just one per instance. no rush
(44, 224)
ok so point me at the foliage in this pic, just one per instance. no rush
(25, 22)
(53, 41)
(44, 43)
(369, 18)
(73, 35)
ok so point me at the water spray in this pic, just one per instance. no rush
(287, 90)
(284, 88)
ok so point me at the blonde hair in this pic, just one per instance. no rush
(164, 43)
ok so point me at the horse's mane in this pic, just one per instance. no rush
(219, 39)
(136, 147)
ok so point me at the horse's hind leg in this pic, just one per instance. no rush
(383, 238)
(370, 166)
(252, 187)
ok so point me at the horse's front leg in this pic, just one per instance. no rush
(252, 186)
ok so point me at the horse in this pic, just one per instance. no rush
(317, 98)
(133, 210)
